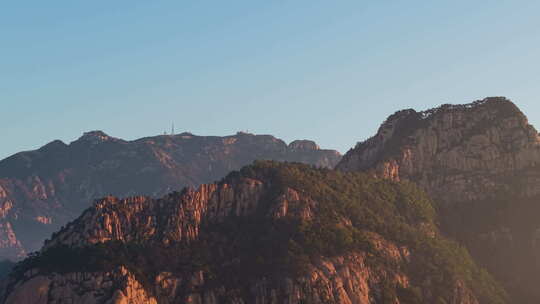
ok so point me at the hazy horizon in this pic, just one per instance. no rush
(329, 72)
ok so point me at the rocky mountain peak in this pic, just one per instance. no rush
(269, 233)
(496, 106)
(53, 146)
(186, 135)
(95, 137)
(304, 145)
(493, 121)
(481, 163)
(47, 187)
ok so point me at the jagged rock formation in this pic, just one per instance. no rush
(481, 164)
(42, 190)
(271, 233)
(116, 286)
(341, 280)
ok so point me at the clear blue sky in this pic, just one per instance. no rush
(331, 71)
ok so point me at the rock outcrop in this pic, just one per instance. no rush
(270, 234)
(118, 286)
(467, 150)
(42, 190)
(339, 280)
(481, 163)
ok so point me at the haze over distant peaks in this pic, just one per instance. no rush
(43, 189)
(394, 223)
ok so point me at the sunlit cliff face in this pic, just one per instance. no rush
(481, 163)
(42, 190)
(271, 233)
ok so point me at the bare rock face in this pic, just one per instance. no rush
(481, 164)
(176, 217)
(42, 190)
(339, 280)
(464, 150)
(304, 145)
(118, 286)
(249, 239)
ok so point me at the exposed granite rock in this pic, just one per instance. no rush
(338, 280)
(355, 277)
(481, 163)
(42, 190)
(304, 145)
(118, 286)
(466, 150)
(9, 245)
(176, 217)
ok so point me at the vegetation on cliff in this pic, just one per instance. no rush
(44, 189)
(353, 212)
(481, 163)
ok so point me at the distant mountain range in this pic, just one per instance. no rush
(42, 190)
(439, 206)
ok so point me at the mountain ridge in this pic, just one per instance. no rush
(43, 189)
(269, 233)
(481, 163)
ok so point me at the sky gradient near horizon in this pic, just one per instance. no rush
(330, 71)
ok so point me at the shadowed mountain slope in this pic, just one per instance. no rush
(42, 190)
(481, 163)
(272, 233)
